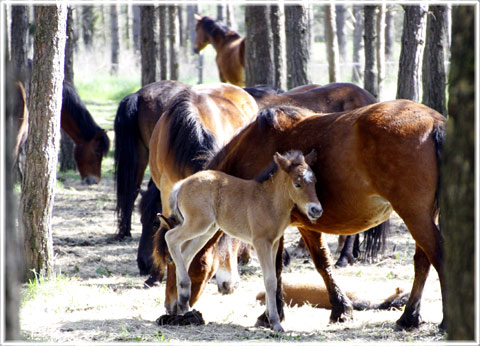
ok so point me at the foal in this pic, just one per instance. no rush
(255, 211)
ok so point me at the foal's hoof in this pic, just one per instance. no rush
(193, 317)
(408, 322)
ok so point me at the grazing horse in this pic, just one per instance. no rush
(229, 45)
(371, 161)
(197, 122)
(255, 211)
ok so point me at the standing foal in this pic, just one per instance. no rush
(255, 211)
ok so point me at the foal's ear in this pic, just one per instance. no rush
(164, 222)
(197, 17)
(311, 157)
(282, 161)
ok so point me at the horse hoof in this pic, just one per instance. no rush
(278, 328)
(408, 322)
(341, 263)
(193, 317)
(152, 281)
(341, 317)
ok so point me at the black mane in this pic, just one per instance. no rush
(259, 91)
(217, 28)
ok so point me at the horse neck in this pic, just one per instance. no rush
(220, 39)
(71, 128)
(276, 188)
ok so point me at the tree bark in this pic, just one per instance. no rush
(389, 32)
(181, 30)
(38, 188)
(332, 44)
(380, 50)
(357, 73)
(115, 42)
(125, 10)
(340, 11)
(457, 197)
(88, 25)
(162, 41)
(19, 47)
(137, 27)
(191, 23)
(433, 73)
(173, 41)
(297, 38)
(370, 39)
(66, 158)
(413, 43)
(230, 16)
(278, 41)
(147, 44)
(259, 65)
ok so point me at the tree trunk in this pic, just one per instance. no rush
(389, 32)
(147, 44)
(340, 11)
(297, 38)
(332, 44)
(380, 50)
(162, 41)
(88, 25)
(433, 71)
(457, 197)
(38, 188)
(370, 82)
(221, 13)
(137, 27)
(230, 16)
(125, 10)
(66, 158)
(191, 23)
(357, 73)
(259, 65)
(278, 41)
(19, 47)
(173, 41)
(115, 43)
(181, 30)
(413, 42)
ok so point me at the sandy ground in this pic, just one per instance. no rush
(99, 296)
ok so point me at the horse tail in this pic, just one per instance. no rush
(189, 141)
(125, 160)
(438, 136)
(375, 240)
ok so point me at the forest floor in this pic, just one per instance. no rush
(98, 295)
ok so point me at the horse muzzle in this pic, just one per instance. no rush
(314, 211)
(90, 180)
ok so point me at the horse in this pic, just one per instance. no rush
(371, 161)
(255, 211)
(229, 45)
(91, 141)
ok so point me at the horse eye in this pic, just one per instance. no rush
(297, 186)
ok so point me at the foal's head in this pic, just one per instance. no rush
(302, 187)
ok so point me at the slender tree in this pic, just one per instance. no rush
(136, 26)
(340, 11)
(173, 41)
(147, 44)
(413, 43)
(259, 65)
(19, 41)
(297, 38)
(162, 41)
(389, 32)
(126, 27)
(370, 82)
(88, 25)
(115, 42)
(181, 31)
(38, 186)
(433, 73)
(191, 23)
(357, 73)
(230, 16)
(332, 44)
(457, 196)
(278, 41)
(380, 50)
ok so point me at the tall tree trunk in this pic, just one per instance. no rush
(278, 41)
(221, 12)
(433, 73)
(340, 11)
(19, 40)
(66, 158)
(38, 188)
(297, 38)
(88, 25)
(137, 27)
(457, 197)
(115, 42)
(448, 29)
(126, 25)
(389, 32)
(380, 50)
(191, 23)
(370, 82)
(230, 16)
(181, 30)
(357, 73)
(259, 65)
(331, 43)
(147, 44)
(162, 41)
(413, 42)
(173, 41)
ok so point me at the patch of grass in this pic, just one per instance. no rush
(41, 286)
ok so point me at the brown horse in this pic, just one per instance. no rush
(198, 121)
(91, 141)
(255, 211)
(371, 161)
(229, 45)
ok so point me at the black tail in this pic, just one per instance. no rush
(375, 240)
(439, 135)
(126, 160)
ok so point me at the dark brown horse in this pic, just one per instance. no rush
(230, 47)
(91, 141)
(371, 161)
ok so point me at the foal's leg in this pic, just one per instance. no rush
(341, 306)
(266, 252)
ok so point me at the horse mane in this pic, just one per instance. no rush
(292, 155)
(189, 140)
(269, 117)
(260, 90)
(216, 28)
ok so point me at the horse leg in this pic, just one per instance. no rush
(346, 255)
(266, 252)
(227, 274)
(342, 307)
